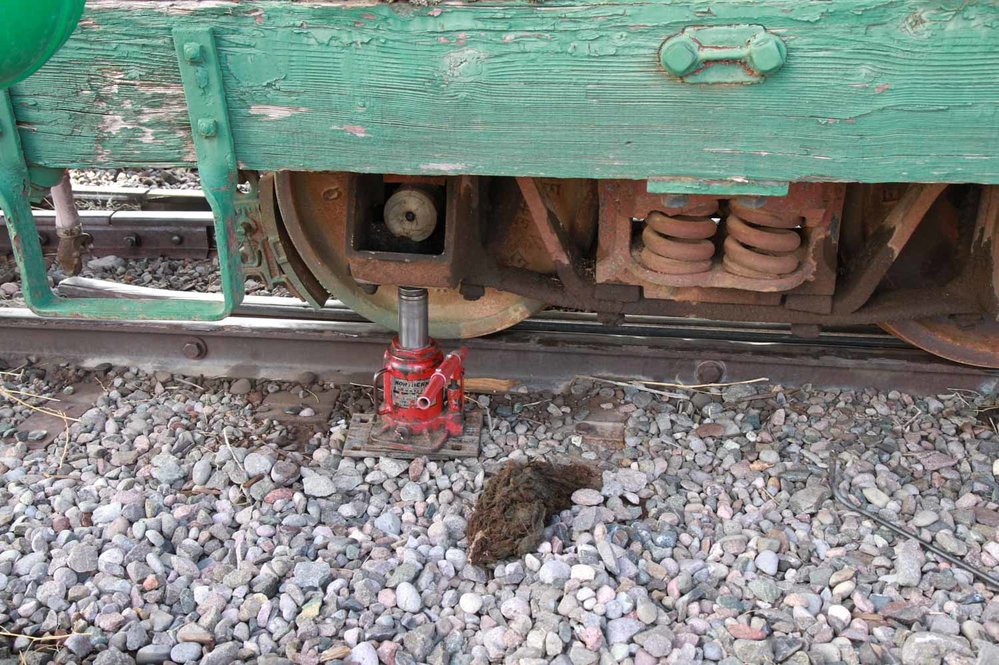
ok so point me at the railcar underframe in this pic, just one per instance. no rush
(804, 162)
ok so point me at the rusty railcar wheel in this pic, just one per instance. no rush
(314, 210)
(970, 340)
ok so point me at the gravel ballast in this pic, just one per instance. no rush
(179, 522)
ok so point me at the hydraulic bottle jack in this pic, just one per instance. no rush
(421, 410)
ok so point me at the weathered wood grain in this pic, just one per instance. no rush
(873, 90)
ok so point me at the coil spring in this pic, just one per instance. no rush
(760, 243)
(680, 244)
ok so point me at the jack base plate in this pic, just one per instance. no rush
(361, 442)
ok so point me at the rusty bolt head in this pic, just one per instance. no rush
(132, 240)
(194, 348)
(709, 371)
(679, 55)
(767, 53)
(177, 239)
(193, 52)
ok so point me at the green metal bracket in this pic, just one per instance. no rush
(723, 54)
(732, 187)
(202, 77)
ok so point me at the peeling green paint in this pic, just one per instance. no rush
(872, 90)
(218, 170)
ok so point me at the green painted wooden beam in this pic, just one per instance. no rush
(871, 90)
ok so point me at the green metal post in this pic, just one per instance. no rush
(219, 171)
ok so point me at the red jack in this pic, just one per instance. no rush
(422, 410)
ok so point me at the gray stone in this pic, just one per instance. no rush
(284, 472)
(420, 641)
(392, 467)
(240, 387)
(988, 654)
(364, 654)
(927, 648)
(580, 655)
(658, 641)
(106, 514)
(223, 654)
(405, 572)
(201, 471)
(167, 469)
(470, 603)
(312, 574)
(389, 522)
(152, 654)
(192, 632)
(346, 481)
(82, 558)
(185, 652)
(621, 630)
(909, 559)
(318, 485)
(113, 657)
(136, 636)
(408, 598)
(411, 492)
(555, 572)
(257, 464)
(753, 652)
(786, 646)
(876, 496)
(514, 607)
(79, 644)
(53, 595)
(632, 480)
(924, 518)
(587, 497)
(809, 499)
(950, 543)
(646, 610)
(767, 562)
(764, 589)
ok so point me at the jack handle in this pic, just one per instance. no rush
(450, 369)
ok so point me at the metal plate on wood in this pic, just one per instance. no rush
(361, 443)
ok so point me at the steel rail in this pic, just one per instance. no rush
(538, 355)
(134, 222)
(547, 321)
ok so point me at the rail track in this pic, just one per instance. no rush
(282, 337)
(134, 222)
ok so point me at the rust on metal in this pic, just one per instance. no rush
(969, 339)
(315, 209)
(809, 213)
(869, 266)
(268, 254)
(551, 232)
(761, 244)
(376, 256)
(680, 242)
(512, 237)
